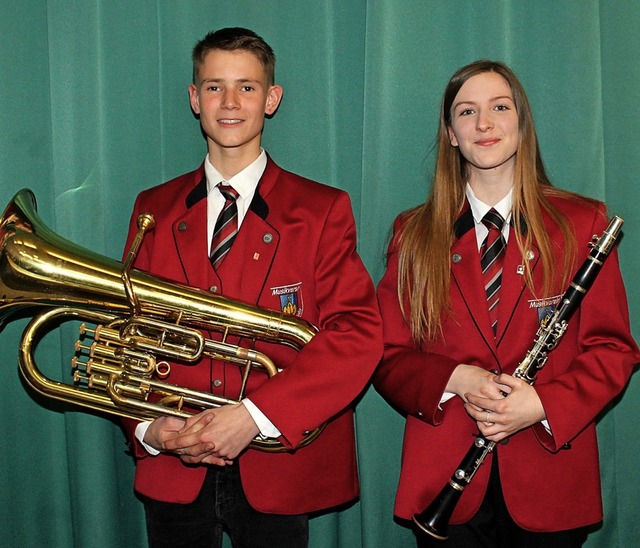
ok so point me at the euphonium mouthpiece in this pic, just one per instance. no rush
(146, 221)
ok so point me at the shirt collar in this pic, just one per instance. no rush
(244, 182)
(479, 208)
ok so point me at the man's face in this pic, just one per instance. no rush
(232, 97)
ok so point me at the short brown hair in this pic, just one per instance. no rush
(234, 39)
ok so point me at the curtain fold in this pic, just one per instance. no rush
(95, 108)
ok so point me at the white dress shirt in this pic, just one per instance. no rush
(479, 210)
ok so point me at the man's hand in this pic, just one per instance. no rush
(162, 429)
(215, 436)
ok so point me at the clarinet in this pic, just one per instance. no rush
(434, 520)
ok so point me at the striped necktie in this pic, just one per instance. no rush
(492, 256)
(226, 226)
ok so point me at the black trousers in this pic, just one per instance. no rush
(492, 527)
(221, 506)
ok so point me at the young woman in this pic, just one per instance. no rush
(453, 337)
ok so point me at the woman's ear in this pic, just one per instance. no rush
(452, 137)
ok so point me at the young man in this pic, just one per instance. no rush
(294, 251)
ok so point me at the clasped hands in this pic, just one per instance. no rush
(215, 436)
(500, 404)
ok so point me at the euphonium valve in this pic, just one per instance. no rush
(133, 324)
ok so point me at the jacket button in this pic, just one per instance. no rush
(217, 383)
(213, 289)
(456, 258)
(182, 226)
(267, 238)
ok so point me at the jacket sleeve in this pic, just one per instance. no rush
(409, 378)
(334, 367)
(604, 357)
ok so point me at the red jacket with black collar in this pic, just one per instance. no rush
(540, 473)
(296, 246)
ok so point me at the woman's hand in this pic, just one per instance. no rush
(499, 418)
(473, 380)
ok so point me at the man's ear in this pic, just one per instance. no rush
(274, 96)
(194, 98)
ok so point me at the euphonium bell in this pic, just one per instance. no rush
(135, 322)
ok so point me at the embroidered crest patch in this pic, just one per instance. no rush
(545, 307)
(290, 297)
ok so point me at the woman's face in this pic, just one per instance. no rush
(484, 125)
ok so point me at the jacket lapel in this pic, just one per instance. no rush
(246, 266)
(467, 275)
(513, 284)
(190, 235)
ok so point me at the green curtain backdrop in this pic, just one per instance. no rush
(94, 108)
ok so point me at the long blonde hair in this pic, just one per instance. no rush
(424, 244)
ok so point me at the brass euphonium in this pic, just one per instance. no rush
(135, 322)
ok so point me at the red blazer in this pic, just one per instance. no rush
(550, 482)
(297, 245)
